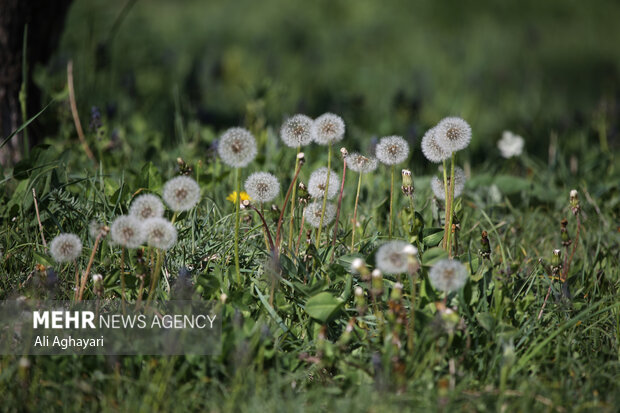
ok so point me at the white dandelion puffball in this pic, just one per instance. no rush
(392, 257)
(431, 149)
(510, 145)
(127, 231)
(65, 247)
(237, 147)
(297, 131)
(159, 233)
(459, 184)
(262, 186)
(146, 206)
(448, 275)
(453, 134)
(318, 183)
(328, 128)
(392, 150)
(181, 193)
(360, 163)
(313, 214)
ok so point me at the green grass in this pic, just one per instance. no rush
(494, 353)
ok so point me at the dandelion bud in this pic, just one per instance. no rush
(301, 158)
(377, 282)
(566, 241)
(574, 202)
(344, 152)
(485, 251)
(556, 261)
(98, 284)
(244, 204)
(223, 298)
(407, 183)
(359, 292)
(397, 292)
(358, 264)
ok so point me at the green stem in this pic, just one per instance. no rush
(391, 203)
(237, 219)
(412, 278)
(155, 279)
(290, 228)
(446, 200)
(451, 204)
(357, 197)
(123, 279)
(329, 166)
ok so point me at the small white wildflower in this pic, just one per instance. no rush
(431, 149)
(452, 134)
(360, 163)
(392, 150)
(391, 257)
(448, 275)
(510, 144)
(297, 131)
(328, 128)
(313, 214)
(65, 247)
(459, 184)
(237, 147)
(160, 233)
(262, 186)
(127, 231)
(318, 183)
(181, 193)
(146, 206)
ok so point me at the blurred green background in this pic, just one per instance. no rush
(185, 70)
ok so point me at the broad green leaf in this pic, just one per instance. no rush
(322, 306)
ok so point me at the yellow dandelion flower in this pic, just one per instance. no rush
(233, 196)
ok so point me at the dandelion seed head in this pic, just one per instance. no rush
(181, 193)
(431, 149)
(391, 257)
(313, 214)
(159, 233)
(318, 183)
(237, 147)
(262, 186)
(448, 275)
(65, 247)
(360, 163)
(328, 128)
(146, 206)
(510, 144)
(126, 230)
(459, 184)
(453, 134)
(392, 150)
(297, 131)
(95, 228)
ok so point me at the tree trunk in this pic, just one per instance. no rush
(45, 20)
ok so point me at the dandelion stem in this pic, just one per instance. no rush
(344, 173)
(411, 332)
(446, 200)
(286, 198)
(329, 169)
(391, 203)
(301, 230)
(123, 279)
(451, 204)
(237, 218)
(155, 278)
(88, 267)
(357, 197)
(292, 221)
